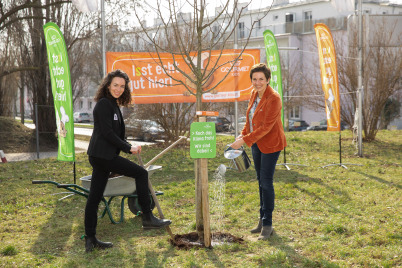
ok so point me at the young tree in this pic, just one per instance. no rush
(189, 37)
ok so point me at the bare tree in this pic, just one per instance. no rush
(292, 78)
(382, 68)
(22, 23)
(190, 38)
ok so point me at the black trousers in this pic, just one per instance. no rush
(100, 174)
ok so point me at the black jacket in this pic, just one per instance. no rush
(109, 131)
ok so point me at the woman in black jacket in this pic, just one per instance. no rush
(104, 148)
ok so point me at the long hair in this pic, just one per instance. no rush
(103, 90)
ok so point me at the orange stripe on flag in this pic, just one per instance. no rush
(329, 76)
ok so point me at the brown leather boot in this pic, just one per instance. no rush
(258, 228)
(266, 232)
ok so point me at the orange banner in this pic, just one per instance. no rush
(329, 76)
(150, 83)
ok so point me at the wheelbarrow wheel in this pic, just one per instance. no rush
(135, 207)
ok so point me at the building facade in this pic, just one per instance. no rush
(293, 26)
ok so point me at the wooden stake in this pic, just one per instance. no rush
(198, 200)
(205, 202)
(201, 198)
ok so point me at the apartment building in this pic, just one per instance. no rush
(293, 22)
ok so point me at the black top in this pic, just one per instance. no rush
(109, 131)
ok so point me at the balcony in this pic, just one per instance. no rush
(299, 27)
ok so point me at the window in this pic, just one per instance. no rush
(81, 104)
(241, 29)
(258, 24)
(308, 15)
(90, 104)
(308, 21)
(289, 17)
(295, 112)
(215, 31)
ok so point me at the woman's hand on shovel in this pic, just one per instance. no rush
(135, 149)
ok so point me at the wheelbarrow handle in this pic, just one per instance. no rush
(43, 182)
(66, 185)
(39, 182)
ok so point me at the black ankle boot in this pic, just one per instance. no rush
(91, 243)
(149, 221)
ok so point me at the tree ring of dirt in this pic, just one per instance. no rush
(191, 240)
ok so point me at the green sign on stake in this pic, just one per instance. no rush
(202, 140)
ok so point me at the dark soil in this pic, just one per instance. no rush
(17, 138)
(191, 240)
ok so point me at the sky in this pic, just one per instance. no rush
(212, 4)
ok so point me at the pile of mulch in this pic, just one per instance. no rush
(15, 137)
(191, 240)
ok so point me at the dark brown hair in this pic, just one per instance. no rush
(103, 90)
(260, 68)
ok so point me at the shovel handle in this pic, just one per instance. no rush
(164, 151)
(140, 159)
(151, 189)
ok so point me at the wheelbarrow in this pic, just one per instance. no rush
(117, 186)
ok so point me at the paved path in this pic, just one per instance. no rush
(80, 146)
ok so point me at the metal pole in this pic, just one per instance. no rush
(360, 83)
(103, 37)
(37, 130)
(236, 107)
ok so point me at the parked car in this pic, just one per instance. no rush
(323, 126)
(222, 124)
(146, 130)
(240, 123)
(80, 117)
(298, 125)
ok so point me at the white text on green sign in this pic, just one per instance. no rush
(202, 140)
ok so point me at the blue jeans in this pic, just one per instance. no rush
(265, 167)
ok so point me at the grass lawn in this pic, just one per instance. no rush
(324, 217)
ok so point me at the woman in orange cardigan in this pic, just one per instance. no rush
(264, 133)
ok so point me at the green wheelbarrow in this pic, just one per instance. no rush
(117, 186)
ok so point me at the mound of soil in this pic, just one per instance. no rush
(191, 240)
(17, 138)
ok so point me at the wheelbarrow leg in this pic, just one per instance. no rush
(107, 210)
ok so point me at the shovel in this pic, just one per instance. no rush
(151, 189)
